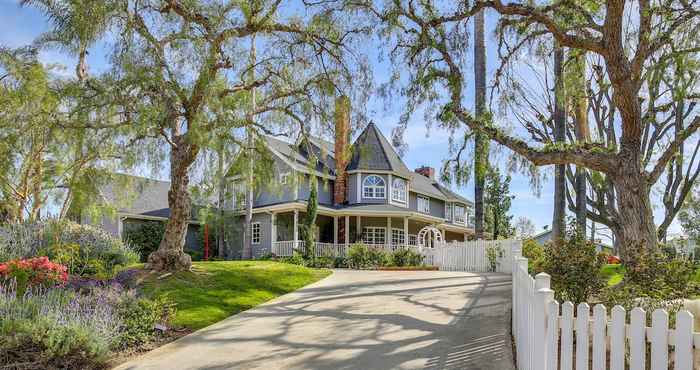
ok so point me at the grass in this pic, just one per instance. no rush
(216, 290)
(613, 274)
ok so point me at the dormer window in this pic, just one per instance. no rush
(398, 190)
(374, 187)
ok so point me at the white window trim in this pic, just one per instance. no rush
(252, 233)
(427, 200)
(375, 230)
(401, 231)
(239, 189)
(463, 216)
(373, 187)
(405, 191)
(284, 178)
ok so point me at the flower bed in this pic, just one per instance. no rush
(61, 328)
(39, 271)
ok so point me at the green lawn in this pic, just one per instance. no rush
(613, 274)
(216, 290)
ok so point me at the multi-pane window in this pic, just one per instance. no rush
(412, 239)
(423, 204)
(448, 211)
(239, 195)
(398, 237)
(459, 214)
(374, 187)
(398, 190)
(374, 235)
(255, 232)
(284, 178)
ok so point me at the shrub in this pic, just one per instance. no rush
(139, 317)
(37, 271)
(295, 259)
(406, 257)
(493, 253)
(321, 262)
(574, 266)
(97, 252)
(55, 328)
(358, 256)
(144, 237)
(61, 328)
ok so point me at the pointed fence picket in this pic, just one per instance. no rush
(550, 336)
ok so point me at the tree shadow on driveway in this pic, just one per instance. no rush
(360, 320)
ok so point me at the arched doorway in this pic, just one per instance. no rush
(430, 237)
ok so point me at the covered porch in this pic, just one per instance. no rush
(335, 233)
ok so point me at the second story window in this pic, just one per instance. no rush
(448, 211)
(284, 178)
(423, 204)
(459, 214)
(239, 195)
(373, 187)
(398, 190)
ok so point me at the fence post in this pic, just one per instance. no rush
(543, 295)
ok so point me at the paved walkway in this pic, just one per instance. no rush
(359, 320)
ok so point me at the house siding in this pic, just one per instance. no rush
(437, 206)
(275, 192)
(325, 190)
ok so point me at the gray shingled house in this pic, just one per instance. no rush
(370, 197)
(380, 201)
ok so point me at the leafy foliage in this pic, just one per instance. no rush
(497, 204)
(60, 328)
(144, 237)
(84, 249)
(574, 266)
(33, 272)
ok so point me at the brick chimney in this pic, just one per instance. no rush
(342, 148)
(426, 171)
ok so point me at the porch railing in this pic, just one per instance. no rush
(288, 247)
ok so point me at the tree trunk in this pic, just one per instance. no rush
(558, 225)
(170, 255)
(481, 141)
(220, 241)
(81, 68)
(636, 229)
(580, 101)
(248, 233)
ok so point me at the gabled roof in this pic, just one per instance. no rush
(372, 151)
(298, 156)
(451, 195)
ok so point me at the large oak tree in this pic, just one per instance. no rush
(634, 41)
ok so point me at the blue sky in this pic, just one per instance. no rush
(19, 26)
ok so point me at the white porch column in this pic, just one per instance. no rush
(273, 231)
(359, 225)
(405, 230)
(465, 237)
(346, 227)
(388, 231)
(296, 227)
(335, 230)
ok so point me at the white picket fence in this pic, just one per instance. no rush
(471, 255)
(550, 336)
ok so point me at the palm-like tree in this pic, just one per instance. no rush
(76, 26)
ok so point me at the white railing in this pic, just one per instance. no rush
(550, 336)
(471, 256)
(287, 248)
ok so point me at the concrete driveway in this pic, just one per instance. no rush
(359, 320)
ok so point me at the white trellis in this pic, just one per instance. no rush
(433, 232)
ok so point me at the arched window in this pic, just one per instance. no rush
(373, 187)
